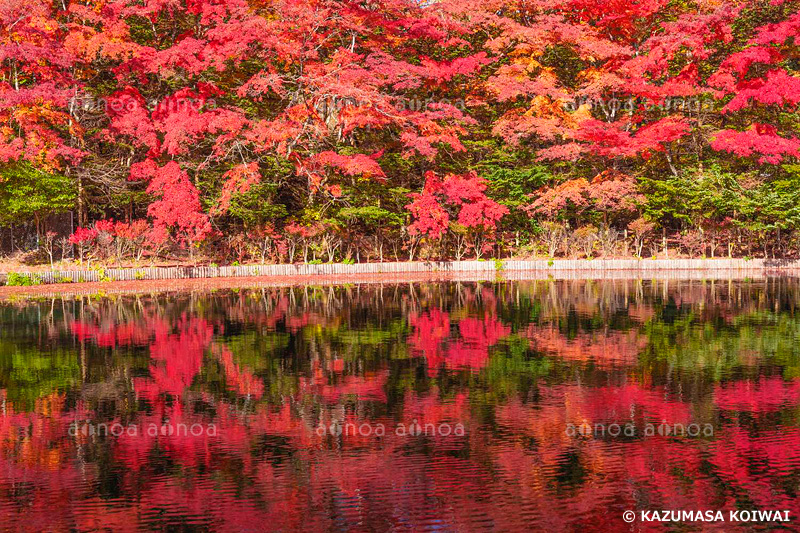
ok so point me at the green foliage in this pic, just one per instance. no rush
(26, 192)
(689, 342)
(260, 204)
(102, 276)
(512, 184)
(28, 373)
(512, 177)
(14, 279)
(371, 215)
(749, 201)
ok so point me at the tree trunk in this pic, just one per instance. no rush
(81, 206)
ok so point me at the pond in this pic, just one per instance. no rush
(455, 406)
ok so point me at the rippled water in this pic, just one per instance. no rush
(547, 405)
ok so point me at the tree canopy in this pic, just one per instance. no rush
(409, 121)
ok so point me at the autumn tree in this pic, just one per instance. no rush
(456, 199)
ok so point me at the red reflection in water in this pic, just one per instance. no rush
(243, 381)
(267, 465)
(603, 348)
(331, 388)
(177, 357)
(763, 395)
(431, 339)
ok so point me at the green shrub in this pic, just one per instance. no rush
(14, 279)
(101, 275)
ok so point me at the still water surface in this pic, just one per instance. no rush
(461, 406)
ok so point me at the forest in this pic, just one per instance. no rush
(312, 131)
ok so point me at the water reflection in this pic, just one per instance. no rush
(230, 410)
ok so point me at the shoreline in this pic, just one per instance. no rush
(110, 274)
(127, 281)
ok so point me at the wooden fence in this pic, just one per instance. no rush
(563, 268)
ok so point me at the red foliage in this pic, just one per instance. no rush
(178, 204)
(328, 89)
(462, 194)
(568, 195)
(132, 231)
(776, 88)
(355, 165)
(36, 85)
(774, 85)
(614, 191)
(83, 235)
(430, 218)
(238, 180)
(105, 226)
(298, 230)
(609, 192)
(613, 140)
(760, 140)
